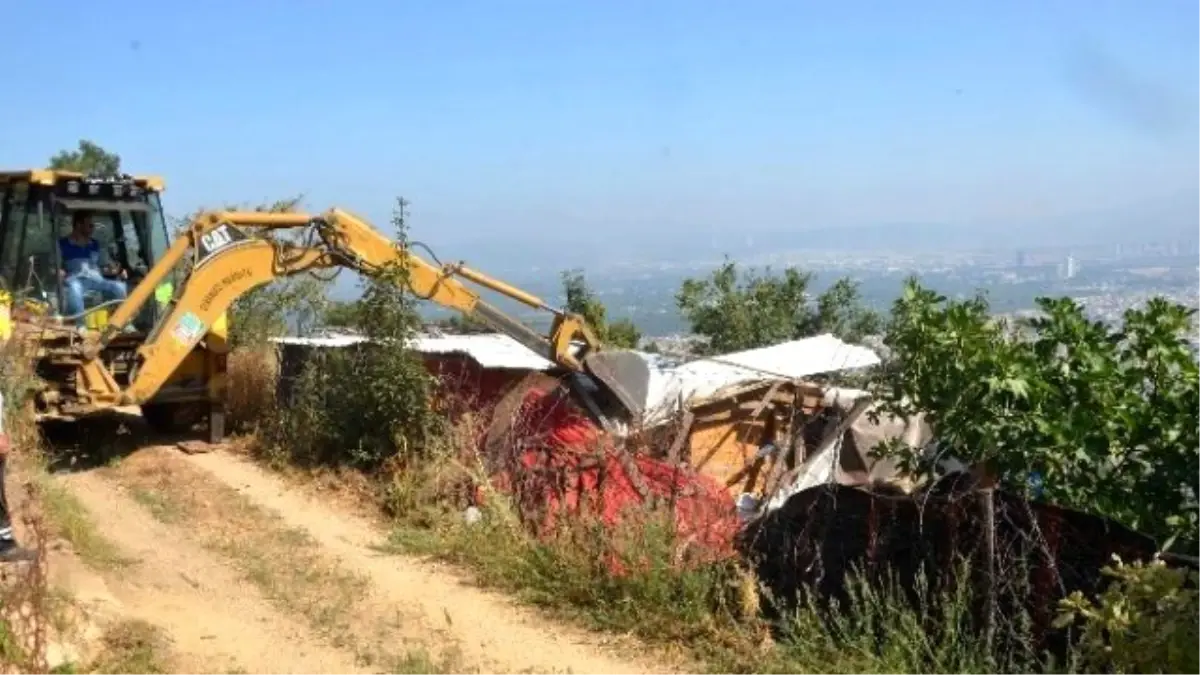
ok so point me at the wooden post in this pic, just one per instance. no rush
(987, 506)
(832, 437)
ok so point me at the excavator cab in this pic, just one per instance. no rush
(36, 212)
(37, 208)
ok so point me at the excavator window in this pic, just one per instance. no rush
(130, 228)
(25, 242)
(14, 208)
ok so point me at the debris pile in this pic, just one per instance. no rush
(560, 467)
(697, 455)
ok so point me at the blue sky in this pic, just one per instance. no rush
(533, 118)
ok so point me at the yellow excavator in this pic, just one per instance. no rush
(164, 346)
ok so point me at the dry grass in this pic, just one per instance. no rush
(253, 373)
(132, 646)
(70, 521)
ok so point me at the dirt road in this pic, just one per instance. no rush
(243, 573)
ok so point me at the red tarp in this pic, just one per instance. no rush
(569, 466)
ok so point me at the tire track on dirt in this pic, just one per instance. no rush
(217, 622)
(492, 631)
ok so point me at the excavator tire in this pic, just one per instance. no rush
(172, 418)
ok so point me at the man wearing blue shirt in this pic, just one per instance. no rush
(81, 269)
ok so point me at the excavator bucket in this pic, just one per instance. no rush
(625, 374)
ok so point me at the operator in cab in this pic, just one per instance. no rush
(82, 270)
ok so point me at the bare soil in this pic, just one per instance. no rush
(244, 572)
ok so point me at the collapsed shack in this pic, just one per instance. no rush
(742, 419)
(545, 452)
(747, 419)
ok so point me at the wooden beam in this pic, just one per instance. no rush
(685, 432)
(762, 405)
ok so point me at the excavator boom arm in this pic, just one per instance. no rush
(228, 262)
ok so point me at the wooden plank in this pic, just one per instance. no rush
(744, 471)
(685, 432)
(762, 405)
(777, 468)
(832, 436)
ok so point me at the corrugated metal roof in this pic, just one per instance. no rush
(692, 383)
(706, 379)
(493, 350)
(324, 340)
(489, 350)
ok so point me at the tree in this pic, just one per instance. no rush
(581, 300)
(463, 325)
(622, 334)
(88, 158)
(341, 314)
(840, 310)
(370, 406)
(736, 312)
(1099, 418)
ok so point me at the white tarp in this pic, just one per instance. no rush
(705, 379)
(490, 350)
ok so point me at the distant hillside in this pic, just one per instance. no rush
(1171, 218)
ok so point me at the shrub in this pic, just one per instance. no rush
(1144, 622)
(368, 406)
(1088, 413)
